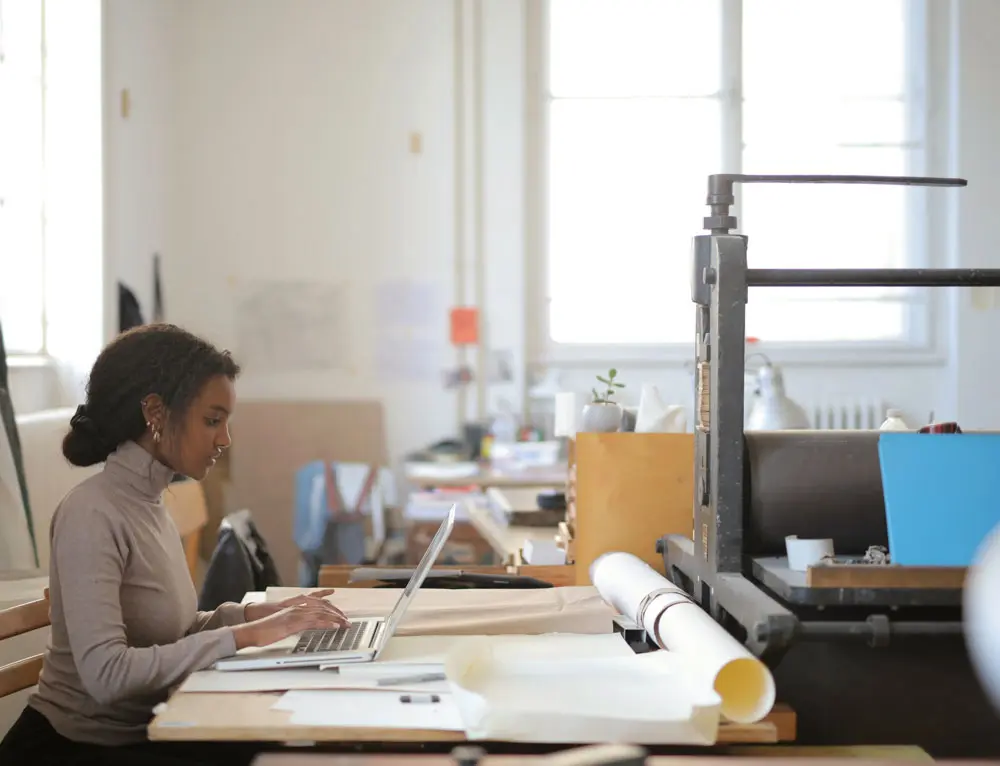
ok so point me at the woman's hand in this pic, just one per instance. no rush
(274, 622)
(252, 612)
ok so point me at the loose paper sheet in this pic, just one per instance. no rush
(678, 624)
(478, 612)
(292, 325)
(409, 340)
(640, 698)
(403, 657)
(370, 709)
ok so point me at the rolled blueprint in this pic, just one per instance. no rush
(678, 624)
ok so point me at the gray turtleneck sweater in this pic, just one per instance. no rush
(125, 624)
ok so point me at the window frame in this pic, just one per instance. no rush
(927, 91)
(40, 357)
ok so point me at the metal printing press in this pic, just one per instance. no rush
(858, 664)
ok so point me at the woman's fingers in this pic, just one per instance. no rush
(317, 598)
(319, 617)
(314, 595)
(325, 605)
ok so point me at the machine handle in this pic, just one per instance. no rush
(873, 277)
(720, 190)
(720, 185)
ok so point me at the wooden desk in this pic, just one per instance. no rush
(246, 717)
(337, 575)
(249, 717)
(506, 541)
(861, 755)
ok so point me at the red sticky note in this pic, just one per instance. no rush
(464, 326)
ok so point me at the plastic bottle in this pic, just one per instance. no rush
(894, 421)
(503, 431)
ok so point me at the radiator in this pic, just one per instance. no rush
(846, 414)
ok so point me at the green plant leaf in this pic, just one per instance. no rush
(612, 372)
(605, 381)
(619, 385)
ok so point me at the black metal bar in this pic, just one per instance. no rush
(754, 178)
(812, 630)
(720, 185)
(873, 277)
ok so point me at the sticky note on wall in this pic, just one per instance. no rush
(464, 323)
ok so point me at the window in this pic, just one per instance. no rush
(22, 83)
(646, 98)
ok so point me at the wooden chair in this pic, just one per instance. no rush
(185, 500)
(15, 621)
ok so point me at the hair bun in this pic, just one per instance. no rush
(84, 445)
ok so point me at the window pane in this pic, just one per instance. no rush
(826, 226)
(21, 278)
(791, 124)
(824, 320)
(845, 48)
(22, 36)
(21, 173)
(626, 194)
(634, 47)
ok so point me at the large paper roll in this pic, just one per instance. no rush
(678, 624)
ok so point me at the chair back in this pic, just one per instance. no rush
(15, 621)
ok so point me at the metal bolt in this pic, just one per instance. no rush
(468, 755)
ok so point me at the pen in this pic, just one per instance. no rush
(417, 679)
(421, 698)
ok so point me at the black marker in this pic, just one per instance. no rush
(420, 698)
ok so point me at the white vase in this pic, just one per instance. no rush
(601, 417)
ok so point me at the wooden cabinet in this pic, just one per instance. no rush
(624, 492)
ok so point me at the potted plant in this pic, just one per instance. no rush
(603, 414)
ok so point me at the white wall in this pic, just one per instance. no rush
(271, 140)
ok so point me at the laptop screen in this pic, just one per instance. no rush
(420, 573)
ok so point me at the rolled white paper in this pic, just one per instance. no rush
(678, 624)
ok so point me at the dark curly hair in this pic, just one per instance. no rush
(158, 359)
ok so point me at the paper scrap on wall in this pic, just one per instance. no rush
(292, 326)
(409, 321)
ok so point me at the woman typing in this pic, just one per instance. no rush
(125, 625)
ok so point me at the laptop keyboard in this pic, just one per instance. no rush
(334, 640)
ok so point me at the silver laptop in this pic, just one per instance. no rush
(361, 641)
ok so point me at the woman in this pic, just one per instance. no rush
(125, 625)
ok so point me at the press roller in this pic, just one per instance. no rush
(814, 484)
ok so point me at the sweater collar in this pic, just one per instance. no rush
(140, 470)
